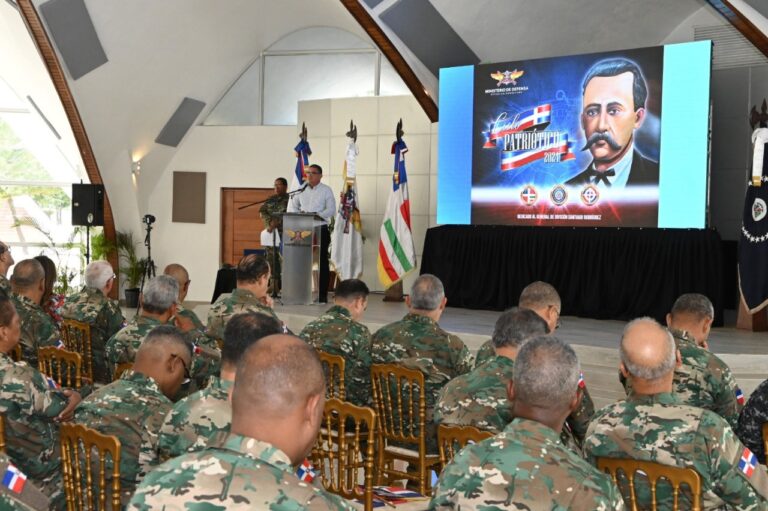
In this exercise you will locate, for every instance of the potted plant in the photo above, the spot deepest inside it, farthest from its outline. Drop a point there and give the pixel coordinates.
(131, 267)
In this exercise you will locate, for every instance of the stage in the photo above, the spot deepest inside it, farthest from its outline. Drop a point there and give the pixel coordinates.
(595, 341)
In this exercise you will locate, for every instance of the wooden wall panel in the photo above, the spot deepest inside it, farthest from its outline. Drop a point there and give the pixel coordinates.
(240, 228)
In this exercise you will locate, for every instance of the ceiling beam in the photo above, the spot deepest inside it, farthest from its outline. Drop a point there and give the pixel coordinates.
(741, 23)
(374, 31)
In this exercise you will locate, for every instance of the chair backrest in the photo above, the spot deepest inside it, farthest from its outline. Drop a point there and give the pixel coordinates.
(401, 408)
(333, 367)
(654, 471)
(765, 437)
(83, 452)
(451, 439)
(77, 337)
(121, 368)
(344, 452)
(62, 365)
(2, 433)
(16, 354)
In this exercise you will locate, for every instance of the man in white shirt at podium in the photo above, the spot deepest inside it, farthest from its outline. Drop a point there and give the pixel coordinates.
(315, 197)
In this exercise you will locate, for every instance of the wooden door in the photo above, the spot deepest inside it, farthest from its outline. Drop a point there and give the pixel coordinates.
(240, 228)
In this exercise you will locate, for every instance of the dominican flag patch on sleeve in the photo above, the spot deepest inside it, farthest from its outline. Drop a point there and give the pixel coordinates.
(51, 383)
(581, 380)
(748, 462)
(739, 396)
(60, 344)
(14, 479)
(306, 472)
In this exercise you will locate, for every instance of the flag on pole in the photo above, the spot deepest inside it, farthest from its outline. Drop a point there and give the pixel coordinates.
(347, 239)
(753, 244)
(302, 151)
(397, 256)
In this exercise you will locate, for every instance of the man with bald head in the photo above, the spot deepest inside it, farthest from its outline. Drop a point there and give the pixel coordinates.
(181, 275)
(273, 430)
(37, 327)
(92, 305)
(652, 425)
(6, 261)
(133, 407)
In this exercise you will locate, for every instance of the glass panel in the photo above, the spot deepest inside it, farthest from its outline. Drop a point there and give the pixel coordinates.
(290, 79)
(391, 83)
(319, 38)
(241, 104)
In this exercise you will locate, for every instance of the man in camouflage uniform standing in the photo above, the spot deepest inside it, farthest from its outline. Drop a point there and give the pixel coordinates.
(197, 418)
(703, 379)
(652, 425)
(272, 432)
(541, 298)
(418, 342)
(133, 407)
(270, 214)
(339, 332)
(159, 308)
(37, 327)
(526, 466)
(252, 275)
(32, 410)
(92, 305)
(6, 261)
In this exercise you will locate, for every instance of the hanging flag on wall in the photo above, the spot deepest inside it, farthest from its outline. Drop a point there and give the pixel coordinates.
(347, 238)
(753, 243)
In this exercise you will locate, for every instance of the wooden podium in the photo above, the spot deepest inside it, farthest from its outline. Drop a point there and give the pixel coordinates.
(757, 322)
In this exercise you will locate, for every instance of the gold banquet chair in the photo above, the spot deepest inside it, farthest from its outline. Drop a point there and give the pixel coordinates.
(2, 433)
(77, 337)
(61, 365)
(765, 438)
(83, 452)
(653, 471)
(451, 439)
(121, 368)
(401, 408)
(344, 452)
(333, 367)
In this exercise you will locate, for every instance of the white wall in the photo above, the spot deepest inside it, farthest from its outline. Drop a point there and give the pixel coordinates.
(376, 119)
(231, 156)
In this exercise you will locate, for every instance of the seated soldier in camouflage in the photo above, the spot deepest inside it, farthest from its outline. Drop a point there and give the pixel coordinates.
(249, 295)
(197, 418)
(272, 431)
(541, 298)
(23, 495)
(133, 407)
(417, 341)
(526, 466)
(751, 420)
(702, 379)
(181, 275)
(653, 425)
(92, 305)
(37, 327)
(6, 261)
(158, 307)
(32, 409)
(339, 332)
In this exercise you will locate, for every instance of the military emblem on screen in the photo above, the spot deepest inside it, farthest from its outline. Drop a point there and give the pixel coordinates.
(528, 196)
(507, 77)
(759, 210)
(590, 195)
(558, 195)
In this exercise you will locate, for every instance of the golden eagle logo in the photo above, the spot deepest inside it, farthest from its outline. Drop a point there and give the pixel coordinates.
(297, 236)
(507, 77)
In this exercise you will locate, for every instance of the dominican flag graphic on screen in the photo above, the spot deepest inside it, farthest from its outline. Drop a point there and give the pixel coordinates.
(753, 244)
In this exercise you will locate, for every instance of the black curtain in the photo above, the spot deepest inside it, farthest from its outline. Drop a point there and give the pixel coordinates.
(600, 273)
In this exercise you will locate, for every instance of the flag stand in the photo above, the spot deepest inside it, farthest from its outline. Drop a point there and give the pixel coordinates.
(757, 322)
(394, 293)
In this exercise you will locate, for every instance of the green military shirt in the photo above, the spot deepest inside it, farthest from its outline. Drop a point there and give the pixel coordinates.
(524, 467)
(703, 380)
(479, 399)
(30, 407)
(90, 306)
(233, 473)
(37, 328)
(335, 332)
(132, 409)
(190, 315)
(196, 419)
(227, 305)
(5, 285)
(28, 498)
(274, 205)
(486, 352)
(658, 428)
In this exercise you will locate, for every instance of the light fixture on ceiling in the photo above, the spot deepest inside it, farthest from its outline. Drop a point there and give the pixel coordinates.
(136, 168)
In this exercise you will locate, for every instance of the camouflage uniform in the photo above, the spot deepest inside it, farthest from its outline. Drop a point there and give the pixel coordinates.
(751, 420)
(335, 332)
(37, 328)
(479, 399)
(5, 285)
(658, 428)
(132, 409)
(233, 473)
(30, 498)
(190, 315)
(274, 205)
(486, 352)
(32, 436)
(703, 380)
(194, 420)
(524, 467)
(122, 347)
(227, 305)
(105, 317)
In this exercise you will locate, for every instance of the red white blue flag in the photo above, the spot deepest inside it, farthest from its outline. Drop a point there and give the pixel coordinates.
(306, 472)
(14, 479)
(748, 462)
(739, 396)
(302, 151)
(51, 383)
